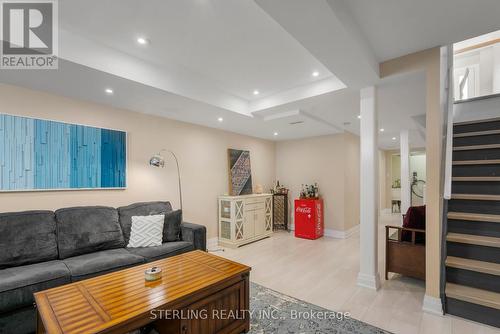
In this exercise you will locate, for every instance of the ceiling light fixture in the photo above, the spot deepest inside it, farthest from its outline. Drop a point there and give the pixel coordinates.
(220, 119)
(108, 91)
(315, 74)
(256, 92)
(382, 130)
(393, 138)
(359, 116)
(142, 40)
(275, 134)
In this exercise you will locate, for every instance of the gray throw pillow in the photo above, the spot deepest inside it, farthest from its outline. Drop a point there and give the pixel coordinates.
(146, 231)
(172, 226)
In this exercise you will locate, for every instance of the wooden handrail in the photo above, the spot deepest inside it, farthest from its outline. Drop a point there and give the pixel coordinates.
(478, 46)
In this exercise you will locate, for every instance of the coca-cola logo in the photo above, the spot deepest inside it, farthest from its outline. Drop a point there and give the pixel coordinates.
(303, 209)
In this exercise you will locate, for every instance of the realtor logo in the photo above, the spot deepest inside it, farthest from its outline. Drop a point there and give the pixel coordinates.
(29, 34)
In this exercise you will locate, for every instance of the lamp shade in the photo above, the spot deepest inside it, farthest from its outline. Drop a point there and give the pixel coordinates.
(157, 161)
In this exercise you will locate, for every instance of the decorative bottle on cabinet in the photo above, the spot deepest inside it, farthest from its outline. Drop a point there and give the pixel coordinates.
(309, 223)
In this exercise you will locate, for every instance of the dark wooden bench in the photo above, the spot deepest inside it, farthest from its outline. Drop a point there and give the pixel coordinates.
(404, 257)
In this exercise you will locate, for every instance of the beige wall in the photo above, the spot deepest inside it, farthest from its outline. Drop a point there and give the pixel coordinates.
(428, 61)
(331, 161)
(382, 180)
(352, 180)
(202, 154)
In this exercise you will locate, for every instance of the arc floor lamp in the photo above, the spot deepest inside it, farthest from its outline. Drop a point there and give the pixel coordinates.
(158, 160)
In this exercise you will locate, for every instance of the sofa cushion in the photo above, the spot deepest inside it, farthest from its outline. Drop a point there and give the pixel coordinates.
(88, 229)
(27, 237)
(18, 284)
(93, 264)
(172, 226)
(140, 209)
(165, 250)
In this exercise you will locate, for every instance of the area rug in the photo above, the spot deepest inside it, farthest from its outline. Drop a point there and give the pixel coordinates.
(274, 312)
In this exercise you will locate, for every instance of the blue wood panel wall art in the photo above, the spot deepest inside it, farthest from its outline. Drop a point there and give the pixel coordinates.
(37, 154)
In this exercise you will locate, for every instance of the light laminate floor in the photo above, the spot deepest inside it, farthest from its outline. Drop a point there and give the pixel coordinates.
(324, 271)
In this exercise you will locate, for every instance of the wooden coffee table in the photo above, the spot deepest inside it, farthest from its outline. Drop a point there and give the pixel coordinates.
(198, 293)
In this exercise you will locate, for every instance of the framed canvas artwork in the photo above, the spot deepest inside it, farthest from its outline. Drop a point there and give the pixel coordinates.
(38, 154)
(240, 173)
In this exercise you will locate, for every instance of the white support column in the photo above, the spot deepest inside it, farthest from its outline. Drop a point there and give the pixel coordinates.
(368, 263)
(405, 171)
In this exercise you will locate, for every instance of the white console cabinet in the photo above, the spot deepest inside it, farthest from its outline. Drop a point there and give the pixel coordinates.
(244, 219)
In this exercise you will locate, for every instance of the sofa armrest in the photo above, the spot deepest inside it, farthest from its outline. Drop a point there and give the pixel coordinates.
(197, 234)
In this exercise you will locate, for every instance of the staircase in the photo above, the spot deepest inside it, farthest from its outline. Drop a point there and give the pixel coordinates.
(472, 265)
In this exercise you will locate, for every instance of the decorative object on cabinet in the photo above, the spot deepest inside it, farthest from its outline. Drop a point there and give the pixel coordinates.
(37, 154)
(280, 211)
(240, 173)
(279, 189)
(244, 219)
(309, 191)
(158, 160)
(309, 222)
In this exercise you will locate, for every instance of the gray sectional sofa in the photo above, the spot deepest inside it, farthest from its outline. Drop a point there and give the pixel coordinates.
(45, 249)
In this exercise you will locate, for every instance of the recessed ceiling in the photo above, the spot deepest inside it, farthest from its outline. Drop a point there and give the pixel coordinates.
(234, 44)
(397, 28)
(204, 59)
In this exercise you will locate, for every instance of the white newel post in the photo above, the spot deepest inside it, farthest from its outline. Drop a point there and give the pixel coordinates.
(368, 264)
(405, 171)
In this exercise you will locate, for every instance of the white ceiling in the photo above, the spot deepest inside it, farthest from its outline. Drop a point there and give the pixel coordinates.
(206, 57)
(234, 44)
(394, 28)
(131, 95)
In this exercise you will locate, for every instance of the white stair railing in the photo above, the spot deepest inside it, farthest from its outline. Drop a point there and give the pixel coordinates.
(448, 113)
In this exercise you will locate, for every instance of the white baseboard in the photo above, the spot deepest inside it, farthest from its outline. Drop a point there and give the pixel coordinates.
(341, 234)
(213, 243)
(332, 233)
(432, 305)
(369, 281)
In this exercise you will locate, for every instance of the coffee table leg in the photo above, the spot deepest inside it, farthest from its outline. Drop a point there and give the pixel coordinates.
(40, 329)
(247, 302)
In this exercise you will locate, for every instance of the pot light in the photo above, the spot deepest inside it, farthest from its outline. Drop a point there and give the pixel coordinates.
(382, 130)
(393, 138)
(359, 116)
(220, 119)
(315, 74)
(142, 40)
(275, 134)
(256, 92)
(108, 91)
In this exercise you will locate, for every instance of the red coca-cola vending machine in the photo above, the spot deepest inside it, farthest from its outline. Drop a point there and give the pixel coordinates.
(309, 222)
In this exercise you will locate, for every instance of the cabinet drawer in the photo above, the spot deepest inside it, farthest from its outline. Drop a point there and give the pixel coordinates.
(254, 206)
